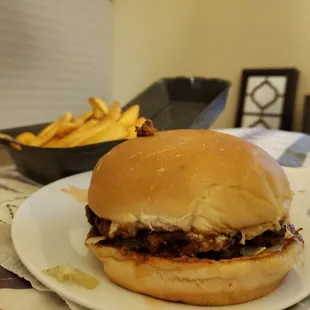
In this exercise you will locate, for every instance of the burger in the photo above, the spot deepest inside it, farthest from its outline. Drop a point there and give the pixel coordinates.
(192, 216)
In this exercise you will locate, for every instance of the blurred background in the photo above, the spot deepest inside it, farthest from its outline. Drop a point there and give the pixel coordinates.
(209, 38)
(55, 54)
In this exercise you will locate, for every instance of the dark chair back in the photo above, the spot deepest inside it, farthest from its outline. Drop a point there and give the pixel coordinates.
(306, 115)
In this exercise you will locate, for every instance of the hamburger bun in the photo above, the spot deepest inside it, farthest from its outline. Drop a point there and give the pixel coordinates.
(200, 282)
(191, 180)
(200, 182)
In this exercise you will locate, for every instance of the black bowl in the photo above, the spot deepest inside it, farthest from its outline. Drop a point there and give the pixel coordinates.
(172, 103)
(45, 165)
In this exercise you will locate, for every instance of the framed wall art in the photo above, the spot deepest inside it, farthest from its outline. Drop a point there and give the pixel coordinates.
(267, 98)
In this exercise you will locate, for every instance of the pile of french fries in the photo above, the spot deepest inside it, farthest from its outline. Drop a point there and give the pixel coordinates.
(100, 124)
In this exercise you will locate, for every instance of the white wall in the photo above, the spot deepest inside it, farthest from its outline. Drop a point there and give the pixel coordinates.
(54, 54)
(156, 38)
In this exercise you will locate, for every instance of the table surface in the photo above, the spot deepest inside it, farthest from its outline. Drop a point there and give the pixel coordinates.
(288, 148)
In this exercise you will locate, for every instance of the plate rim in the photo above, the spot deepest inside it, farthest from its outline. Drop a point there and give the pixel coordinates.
(53, 287)
(59, 290)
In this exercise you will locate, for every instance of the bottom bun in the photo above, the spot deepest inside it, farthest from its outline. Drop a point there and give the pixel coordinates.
(200, 282)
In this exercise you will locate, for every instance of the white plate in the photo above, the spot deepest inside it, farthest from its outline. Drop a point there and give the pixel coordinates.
(49, 229)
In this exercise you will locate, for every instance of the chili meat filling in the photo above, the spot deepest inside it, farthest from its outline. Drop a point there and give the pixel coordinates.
(178, 243)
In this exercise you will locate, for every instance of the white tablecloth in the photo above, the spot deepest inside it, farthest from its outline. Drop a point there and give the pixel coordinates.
(291, 149)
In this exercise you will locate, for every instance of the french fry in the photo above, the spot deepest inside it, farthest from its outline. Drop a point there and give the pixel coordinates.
(102, 123)
(132, 132)
(66, 128)
(13, 145)
(53, 143)
(6, 137)
(116, 131)
(114, 112)
(25, 137)
(47, 129)
(69, 139)
(67, 117)
(80, 120)
(44, 139)
(85, 116)
(130, 116)
(51, 127)
(140, 121)
(83, 137)
(99, 107)
(49, 132)
(87, 125)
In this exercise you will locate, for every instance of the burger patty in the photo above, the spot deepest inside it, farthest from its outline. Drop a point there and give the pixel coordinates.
(179, 243)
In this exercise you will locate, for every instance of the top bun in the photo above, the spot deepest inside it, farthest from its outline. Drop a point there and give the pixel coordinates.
(193, 180)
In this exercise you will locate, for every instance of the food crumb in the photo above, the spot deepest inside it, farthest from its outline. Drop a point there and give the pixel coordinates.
(81, 195)
(72, 275)
(147, 129)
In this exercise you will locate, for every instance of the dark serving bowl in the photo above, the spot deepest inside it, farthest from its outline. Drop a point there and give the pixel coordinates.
(45, 165)
(172, 103)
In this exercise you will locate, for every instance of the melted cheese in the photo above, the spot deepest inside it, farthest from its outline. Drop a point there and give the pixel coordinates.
(94, 240)
(254, 251)
(252, 232)
(113, 228)
(288, 235)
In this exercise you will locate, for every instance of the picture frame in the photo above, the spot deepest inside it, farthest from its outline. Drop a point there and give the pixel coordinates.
(267, 98)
